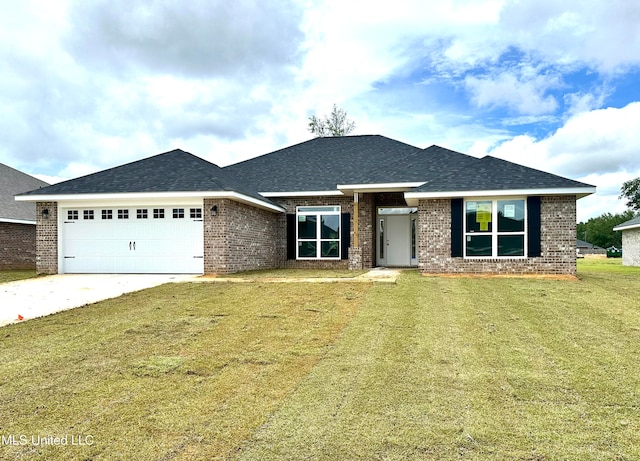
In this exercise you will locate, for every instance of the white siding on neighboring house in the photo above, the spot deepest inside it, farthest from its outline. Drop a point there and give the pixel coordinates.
(631, 247)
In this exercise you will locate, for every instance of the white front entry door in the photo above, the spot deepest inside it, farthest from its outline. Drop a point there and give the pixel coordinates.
(396, 237)
(151, 239)
(398, 240)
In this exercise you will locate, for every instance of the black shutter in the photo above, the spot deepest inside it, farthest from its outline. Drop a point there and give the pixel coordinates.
(291, 236)
(345, 235)
(457, 234)
(533, 227)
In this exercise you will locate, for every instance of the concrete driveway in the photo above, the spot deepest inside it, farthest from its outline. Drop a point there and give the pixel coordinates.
(41, 296)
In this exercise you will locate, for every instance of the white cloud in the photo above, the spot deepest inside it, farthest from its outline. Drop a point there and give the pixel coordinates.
(525, 95)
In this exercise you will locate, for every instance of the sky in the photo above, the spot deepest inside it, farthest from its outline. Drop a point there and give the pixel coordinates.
(91, 84)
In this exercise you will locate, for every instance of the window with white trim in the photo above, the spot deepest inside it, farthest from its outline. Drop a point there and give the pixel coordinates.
(495, 228)
(318, 232)
(72, 215)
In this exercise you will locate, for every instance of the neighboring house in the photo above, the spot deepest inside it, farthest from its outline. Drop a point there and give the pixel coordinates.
(585, 248)
(17, 220)
(345, 202)
(630, 241)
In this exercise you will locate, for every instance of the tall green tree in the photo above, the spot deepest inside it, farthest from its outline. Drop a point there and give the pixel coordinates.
(335, 124)
(599, 231)
(630, 190)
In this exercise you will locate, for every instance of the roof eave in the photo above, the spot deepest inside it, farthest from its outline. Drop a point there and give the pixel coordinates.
(624, 228)
(17, 221)
(349, 189)
(413, 197)
(232, 195)
(306, 193)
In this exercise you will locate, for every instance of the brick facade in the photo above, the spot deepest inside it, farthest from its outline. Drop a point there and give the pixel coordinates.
(47, 239)
(631, 247)
(239, 238)
(242, 237)
(558, 241)
(17, 246)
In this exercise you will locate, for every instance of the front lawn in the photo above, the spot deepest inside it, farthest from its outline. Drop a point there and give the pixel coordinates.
(11, 276)
(430, 368)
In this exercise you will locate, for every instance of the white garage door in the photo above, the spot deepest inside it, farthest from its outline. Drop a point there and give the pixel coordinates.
(133, 240)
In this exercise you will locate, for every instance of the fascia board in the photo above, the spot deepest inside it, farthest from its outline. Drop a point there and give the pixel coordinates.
(380, 187)
(17, 221)
(301, 193)
(578, 191)
(152, 196)
(622, 227)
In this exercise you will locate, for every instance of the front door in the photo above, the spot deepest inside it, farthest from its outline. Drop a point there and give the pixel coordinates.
(396, 237)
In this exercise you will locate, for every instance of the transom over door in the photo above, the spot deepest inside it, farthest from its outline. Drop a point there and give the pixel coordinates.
(151, 239)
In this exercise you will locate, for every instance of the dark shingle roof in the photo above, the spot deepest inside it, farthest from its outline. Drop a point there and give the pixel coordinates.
(13, 182)
(491, 173)
(322, 163)
(173, 171)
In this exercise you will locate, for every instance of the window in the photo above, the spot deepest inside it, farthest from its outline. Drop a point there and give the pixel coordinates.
(72, 215)
(178, 213)
(123, 214)
(142, 213)
(107, 214)
(318, 232)
(87, 214)
(195, 213)
(158, 213)
(495, 228)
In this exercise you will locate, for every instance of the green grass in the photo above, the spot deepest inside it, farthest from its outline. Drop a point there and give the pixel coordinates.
(183, 371)
(11, 276)
(430, 368)
(606, 265)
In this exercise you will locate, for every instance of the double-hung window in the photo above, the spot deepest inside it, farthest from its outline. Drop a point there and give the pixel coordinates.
(495, 228)
(318, 232)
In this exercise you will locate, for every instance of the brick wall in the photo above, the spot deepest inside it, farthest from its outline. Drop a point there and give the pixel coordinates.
(631, 247)
(239, 238)
(47, 239)
(558, 241)
(17, 246)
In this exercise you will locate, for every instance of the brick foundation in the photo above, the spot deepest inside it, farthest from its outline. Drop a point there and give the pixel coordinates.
(558, 241)
(17, 246)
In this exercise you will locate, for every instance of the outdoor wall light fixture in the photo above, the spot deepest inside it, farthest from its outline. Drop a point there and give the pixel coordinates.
(45, 213)
(214, 210)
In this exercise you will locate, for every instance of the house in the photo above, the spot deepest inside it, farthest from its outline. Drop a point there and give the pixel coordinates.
(17, 220)
(589, 249)
(345, 202)
(630, 241)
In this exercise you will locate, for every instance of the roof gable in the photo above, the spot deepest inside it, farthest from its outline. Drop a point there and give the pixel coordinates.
(13, 182)
(173, 171)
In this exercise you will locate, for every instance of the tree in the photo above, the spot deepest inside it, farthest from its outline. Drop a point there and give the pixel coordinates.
(336, 124)
(599, 231)
(631, 191)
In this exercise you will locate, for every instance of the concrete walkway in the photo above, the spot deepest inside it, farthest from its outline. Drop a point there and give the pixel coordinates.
(41, 296)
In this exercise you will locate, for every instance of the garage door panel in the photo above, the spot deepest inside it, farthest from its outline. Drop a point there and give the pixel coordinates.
(133, 245)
